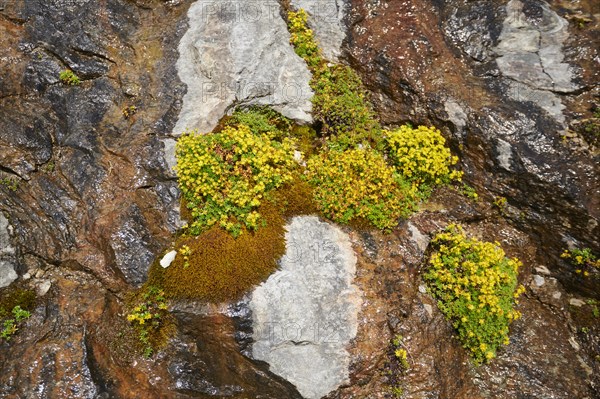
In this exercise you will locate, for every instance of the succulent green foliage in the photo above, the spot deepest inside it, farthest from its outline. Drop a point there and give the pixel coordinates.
(358, 183)
(421, 155)
(583, 260)
(9, 326)
(476, 288)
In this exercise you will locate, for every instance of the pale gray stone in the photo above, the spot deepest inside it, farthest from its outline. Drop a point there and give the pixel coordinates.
(238, 53)
(7, 273)
(326, 18)
(504, 154)
(542, 270)
(421, 240)
(530, 54)
(576, 302)
(305, 314)
(7, 254)
(43, 287)
(428, 309)
(539, 280)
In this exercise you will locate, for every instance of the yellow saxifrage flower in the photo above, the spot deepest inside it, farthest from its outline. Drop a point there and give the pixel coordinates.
(421, 155)
(476, 288)
(224, 176)
(358, 183)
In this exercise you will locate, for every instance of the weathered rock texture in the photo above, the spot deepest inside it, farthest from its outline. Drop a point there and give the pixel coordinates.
(305, 314)
(530, 54)
(396, 303)
(502, 79)
(96, 203)
(238, 53)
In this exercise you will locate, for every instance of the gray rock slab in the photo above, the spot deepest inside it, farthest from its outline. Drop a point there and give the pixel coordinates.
(238, 53)
(305, 314)
(7, 254)
(530, 53)
(7, 273)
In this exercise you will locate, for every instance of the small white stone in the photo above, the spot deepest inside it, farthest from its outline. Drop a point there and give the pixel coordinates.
(419, 238)
(574, 343)
(422, 289)
(557, 295)
(543, 270)
(576, 302)
(428, 309)
(26, 276)
(168, 259)
(538, 280)
(43, 287)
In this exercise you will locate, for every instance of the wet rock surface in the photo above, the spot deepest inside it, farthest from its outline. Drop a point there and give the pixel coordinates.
(396, 302)
(504, 116)
(95, 203)
(95, 200)
(305, 314)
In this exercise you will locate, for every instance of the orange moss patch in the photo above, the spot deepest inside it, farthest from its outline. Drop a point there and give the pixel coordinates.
(222, 267)
(296, 198)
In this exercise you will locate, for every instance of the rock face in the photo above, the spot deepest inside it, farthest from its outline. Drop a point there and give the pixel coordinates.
(502, 80)
(327, 19)
(238, 53)
(305, 314)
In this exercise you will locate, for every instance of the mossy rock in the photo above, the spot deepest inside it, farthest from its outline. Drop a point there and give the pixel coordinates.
(16, 295)
(222, 267)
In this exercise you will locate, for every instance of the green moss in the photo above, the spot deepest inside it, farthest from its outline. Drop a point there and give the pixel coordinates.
(10, 183)
(341, 106)
(296, 198)
(16, 296)
(222, 267)
(476, 288)
(16, 305)
(68, 77)
(306, 137)
(261, 120)
(340, 103)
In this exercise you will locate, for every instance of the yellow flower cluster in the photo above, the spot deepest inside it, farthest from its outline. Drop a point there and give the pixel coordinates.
(148, 310)
(358, 183)
(421, 155)
(186, 252)
(302, 38)
(476, 287)
(583, 259)
(224, 176)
